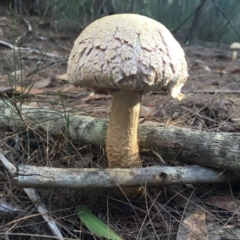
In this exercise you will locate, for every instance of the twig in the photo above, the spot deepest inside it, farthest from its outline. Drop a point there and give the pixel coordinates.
(7, 209)
(31, 50)
(199, 115)
(85, 178)
(28, 24)
(62, 60)
(10, 45)
(33, 195)
(44, 66)
(212, 91)
(224, 15)
(158, 156)
(10, 167)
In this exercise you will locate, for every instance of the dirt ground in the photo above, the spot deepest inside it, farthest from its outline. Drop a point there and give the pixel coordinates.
(37, 74)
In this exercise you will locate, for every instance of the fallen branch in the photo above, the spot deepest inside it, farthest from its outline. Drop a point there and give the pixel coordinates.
(218, 150)
(72, 178)
(31, 50)
(6, 209)
(46, 65)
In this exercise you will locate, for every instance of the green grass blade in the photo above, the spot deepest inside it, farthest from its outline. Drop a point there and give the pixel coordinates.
(94, 224)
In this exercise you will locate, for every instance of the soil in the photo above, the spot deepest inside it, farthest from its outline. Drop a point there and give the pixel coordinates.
(37, 75)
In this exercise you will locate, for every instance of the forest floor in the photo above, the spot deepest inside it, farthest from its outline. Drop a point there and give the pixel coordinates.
(37, 74)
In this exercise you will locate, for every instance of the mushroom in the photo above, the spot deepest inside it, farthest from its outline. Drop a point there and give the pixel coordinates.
(127, 55)
(234, 46)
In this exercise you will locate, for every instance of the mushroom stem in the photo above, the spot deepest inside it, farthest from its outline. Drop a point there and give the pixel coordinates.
(122, 133)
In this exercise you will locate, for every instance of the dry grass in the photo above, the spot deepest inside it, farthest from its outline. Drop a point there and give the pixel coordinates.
(156, 215)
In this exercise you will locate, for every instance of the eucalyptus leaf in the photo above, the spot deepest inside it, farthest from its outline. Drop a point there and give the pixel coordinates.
(95, 225)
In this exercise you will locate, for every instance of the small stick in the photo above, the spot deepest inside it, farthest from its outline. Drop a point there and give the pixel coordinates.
(8, 210)
(158, 156)
(32, 50)
(28, 24)
(212, 91)
(85, 178)
(44, 66)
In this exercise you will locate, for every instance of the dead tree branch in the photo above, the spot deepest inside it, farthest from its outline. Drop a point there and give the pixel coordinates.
(72, 178)
(218, 150)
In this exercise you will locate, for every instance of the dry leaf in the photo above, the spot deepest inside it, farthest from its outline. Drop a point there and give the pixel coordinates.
(193, 227)
(65, 89)
(147, 111)
(234, 71)
(5, 89)
(84, 161)
(175, 115)
(222, 70)
(3, 21)
(94, 96)
(63, 77)
(41, 83)
(55, 53)
(17, 73)
(6, 92)
(28, 90)
(207, 68)
(215, 83)
(33, 104)
(198, 62)
(218, 232)
(231, 205)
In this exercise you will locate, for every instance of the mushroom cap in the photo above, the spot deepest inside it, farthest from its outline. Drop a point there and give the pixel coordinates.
(235, 46)
(129, 52)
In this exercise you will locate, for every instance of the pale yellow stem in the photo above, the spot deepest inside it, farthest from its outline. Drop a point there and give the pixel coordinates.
(122, 133)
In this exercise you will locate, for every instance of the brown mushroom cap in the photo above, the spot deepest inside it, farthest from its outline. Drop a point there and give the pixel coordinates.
(129, 52)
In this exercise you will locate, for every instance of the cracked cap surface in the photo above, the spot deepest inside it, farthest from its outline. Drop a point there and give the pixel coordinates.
(130, 52)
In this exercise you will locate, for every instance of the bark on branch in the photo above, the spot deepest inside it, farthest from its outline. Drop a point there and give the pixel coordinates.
(72, 178)
(218, 150)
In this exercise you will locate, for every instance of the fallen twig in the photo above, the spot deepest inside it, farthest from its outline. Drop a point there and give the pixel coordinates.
(28, 24)
(33, 195)
(49, 177)
(31, 50)
(44, 66)
(8, 210)
(212, 91)
(8, 165)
